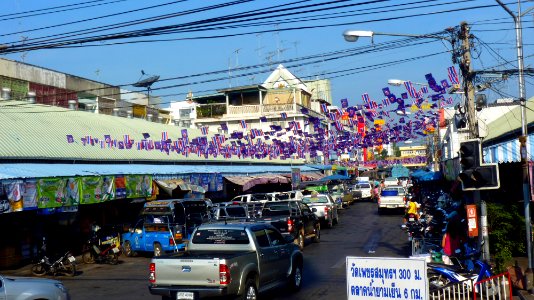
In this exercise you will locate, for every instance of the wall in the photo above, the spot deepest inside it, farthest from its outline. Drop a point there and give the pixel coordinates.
(92, 87)
(31, 73)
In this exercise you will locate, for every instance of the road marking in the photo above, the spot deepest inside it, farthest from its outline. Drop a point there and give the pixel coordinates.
(339, 264)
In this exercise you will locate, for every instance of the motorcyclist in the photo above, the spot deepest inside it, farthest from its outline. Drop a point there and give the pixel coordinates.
(411, 209)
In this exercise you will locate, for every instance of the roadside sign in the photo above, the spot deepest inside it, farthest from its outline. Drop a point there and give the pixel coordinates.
(386, 278)
(295, 178)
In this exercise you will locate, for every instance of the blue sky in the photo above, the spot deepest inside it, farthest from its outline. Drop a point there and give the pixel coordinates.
(188, 54)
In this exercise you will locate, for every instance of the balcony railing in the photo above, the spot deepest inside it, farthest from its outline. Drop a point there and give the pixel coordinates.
(211, 110)
(243, 109)
(286, 107)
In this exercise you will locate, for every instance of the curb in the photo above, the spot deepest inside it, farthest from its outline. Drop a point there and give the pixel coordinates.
(525, 295)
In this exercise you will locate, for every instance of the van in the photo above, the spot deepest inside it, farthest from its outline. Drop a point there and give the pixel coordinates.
(165, 226)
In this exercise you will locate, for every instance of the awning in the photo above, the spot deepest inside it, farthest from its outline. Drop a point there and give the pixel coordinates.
(247, 182)
(320, 167)
(508, 151)
(170, 185)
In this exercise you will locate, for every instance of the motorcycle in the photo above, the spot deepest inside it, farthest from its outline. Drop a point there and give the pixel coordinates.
(97, 250)
(464, 273)
(63, 265)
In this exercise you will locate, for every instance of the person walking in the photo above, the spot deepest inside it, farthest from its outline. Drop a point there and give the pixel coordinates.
(451, 240)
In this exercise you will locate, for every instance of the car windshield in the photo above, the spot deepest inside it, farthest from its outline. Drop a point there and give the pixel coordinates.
(365, 186)
(237, 212)
(275, 209)
(318, 199)
(220, 236)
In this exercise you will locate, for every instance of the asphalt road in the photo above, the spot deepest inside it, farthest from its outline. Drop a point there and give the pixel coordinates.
(360, 232)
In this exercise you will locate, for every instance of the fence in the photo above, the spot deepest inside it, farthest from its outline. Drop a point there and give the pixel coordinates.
(493, 288)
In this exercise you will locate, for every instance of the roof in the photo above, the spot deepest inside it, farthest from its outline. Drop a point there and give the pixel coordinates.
(509, 122)
(39, 132)
(34, 170)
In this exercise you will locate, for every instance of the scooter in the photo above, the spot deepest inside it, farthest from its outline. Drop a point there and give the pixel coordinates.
(63, 265)
(97, 251)
(466, 274)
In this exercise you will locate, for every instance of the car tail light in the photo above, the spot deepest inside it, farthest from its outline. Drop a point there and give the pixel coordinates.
(224, 274)
(289, 225)
(171, 241)
(152, 274)
(326, 209)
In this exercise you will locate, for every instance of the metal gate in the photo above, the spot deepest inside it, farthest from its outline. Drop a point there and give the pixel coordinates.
(493, 288)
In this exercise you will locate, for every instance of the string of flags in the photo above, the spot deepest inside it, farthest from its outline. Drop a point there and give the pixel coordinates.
(345, 130)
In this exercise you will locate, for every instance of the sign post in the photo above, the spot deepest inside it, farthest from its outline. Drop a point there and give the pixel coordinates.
(472, 228)
(386, 278)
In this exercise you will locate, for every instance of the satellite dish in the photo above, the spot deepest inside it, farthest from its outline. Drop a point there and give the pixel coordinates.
(147, 82)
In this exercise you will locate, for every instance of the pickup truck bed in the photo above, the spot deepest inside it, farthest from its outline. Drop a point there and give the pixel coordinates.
(227, 260)
(392, 197)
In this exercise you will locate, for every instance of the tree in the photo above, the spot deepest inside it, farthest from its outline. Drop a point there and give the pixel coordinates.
(396, 150)
(383, 154)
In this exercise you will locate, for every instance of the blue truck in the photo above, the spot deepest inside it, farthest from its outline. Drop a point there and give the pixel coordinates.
(165, 226)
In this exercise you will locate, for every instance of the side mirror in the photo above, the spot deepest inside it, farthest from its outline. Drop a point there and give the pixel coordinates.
(314, 209)
(289, 238)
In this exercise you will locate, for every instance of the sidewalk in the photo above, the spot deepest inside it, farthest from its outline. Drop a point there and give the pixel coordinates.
(523, 263)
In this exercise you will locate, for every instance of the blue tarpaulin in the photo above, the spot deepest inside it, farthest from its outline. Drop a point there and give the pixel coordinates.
(421, 175)
(399, 171)
(335, 177)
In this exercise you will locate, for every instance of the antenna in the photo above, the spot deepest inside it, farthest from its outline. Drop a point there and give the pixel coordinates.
(146, 83)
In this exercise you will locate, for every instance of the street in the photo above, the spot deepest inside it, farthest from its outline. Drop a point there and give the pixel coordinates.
(361, 232)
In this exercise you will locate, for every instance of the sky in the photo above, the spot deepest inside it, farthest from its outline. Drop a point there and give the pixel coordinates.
(214, 44)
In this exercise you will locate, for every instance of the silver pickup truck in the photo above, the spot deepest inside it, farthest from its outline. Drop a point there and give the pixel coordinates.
(392, 197)
(228, 260)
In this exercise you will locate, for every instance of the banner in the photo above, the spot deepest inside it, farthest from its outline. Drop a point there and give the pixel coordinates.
(120, 187)
(51, 192)
(94, 190)
(29, 195)
(138, 186)
(13, 191)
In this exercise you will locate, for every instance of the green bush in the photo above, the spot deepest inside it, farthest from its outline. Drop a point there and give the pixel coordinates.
(505, 240)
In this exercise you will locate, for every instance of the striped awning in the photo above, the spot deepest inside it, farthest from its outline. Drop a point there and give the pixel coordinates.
(507, 151)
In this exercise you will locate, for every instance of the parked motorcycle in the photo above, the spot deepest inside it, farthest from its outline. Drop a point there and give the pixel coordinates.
(101, 249)
(63, 265)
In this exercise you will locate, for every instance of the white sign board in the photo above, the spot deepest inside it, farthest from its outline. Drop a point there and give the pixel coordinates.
(386, 278)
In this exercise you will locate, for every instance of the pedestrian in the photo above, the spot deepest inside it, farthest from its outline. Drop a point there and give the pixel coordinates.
(452, 239)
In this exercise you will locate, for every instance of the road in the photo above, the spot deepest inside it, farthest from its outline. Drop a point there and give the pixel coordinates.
(361, 232)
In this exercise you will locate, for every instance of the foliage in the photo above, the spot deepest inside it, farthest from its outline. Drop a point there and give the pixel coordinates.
(506, 241)
(383, 154)
(396, 150)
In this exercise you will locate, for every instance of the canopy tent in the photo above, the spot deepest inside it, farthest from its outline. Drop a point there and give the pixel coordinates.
(247, 182)
(171, 185)
(421, 175)
(334, 177)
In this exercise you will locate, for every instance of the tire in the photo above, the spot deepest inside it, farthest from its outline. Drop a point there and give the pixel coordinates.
(251, 291)
(330, 223)
(113, 259)
(317, 237)
(69, 268)
(127, 247)
(38, 269)
(158, 250)
(88, 257)
(295, 279)
(299, 241)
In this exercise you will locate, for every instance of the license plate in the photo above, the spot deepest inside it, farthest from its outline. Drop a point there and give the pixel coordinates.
(185, 295)
(71, 259)
(115, 250)
(391, 206)
(411, 219)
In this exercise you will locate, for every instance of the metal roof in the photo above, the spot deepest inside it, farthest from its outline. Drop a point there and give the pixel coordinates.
(509, 121)
(34, 170)
(39, 132)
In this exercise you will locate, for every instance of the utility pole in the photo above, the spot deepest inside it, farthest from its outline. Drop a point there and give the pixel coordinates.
(466, 67)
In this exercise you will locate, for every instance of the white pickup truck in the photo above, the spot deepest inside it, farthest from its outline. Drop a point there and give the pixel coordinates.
(228, 260)
(392, 197)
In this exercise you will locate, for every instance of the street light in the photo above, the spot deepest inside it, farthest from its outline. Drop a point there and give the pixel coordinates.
(353, 35)
(399, 82)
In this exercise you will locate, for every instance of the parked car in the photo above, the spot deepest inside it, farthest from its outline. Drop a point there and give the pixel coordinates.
(29, 288)
(228, 260)
(365, 189)
(292, 218)
(326, 209)
(230, 211)
(258, 197)
(392, 197)
(291, 195)
(165, 225)
(391, 181)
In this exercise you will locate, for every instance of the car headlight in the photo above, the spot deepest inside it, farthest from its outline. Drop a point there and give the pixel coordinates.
(61, 287)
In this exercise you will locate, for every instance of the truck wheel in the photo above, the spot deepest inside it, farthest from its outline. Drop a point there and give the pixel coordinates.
(300, 240)
(295, 279)
(127, 247)
(251, 292)
(158, 251)
(87, 257)
(317, 237)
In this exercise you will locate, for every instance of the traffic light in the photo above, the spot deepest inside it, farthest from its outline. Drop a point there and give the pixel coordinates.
(474, 174)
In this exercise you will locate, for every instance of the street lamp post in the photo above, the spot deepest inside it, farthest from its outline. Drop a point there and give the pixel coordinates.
(524, 133)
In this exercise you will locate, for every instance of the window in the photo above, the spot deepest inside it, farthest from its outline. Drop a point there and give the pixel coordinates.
(221, 236)
(185, 113)
(261, 237)
(275, 237)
